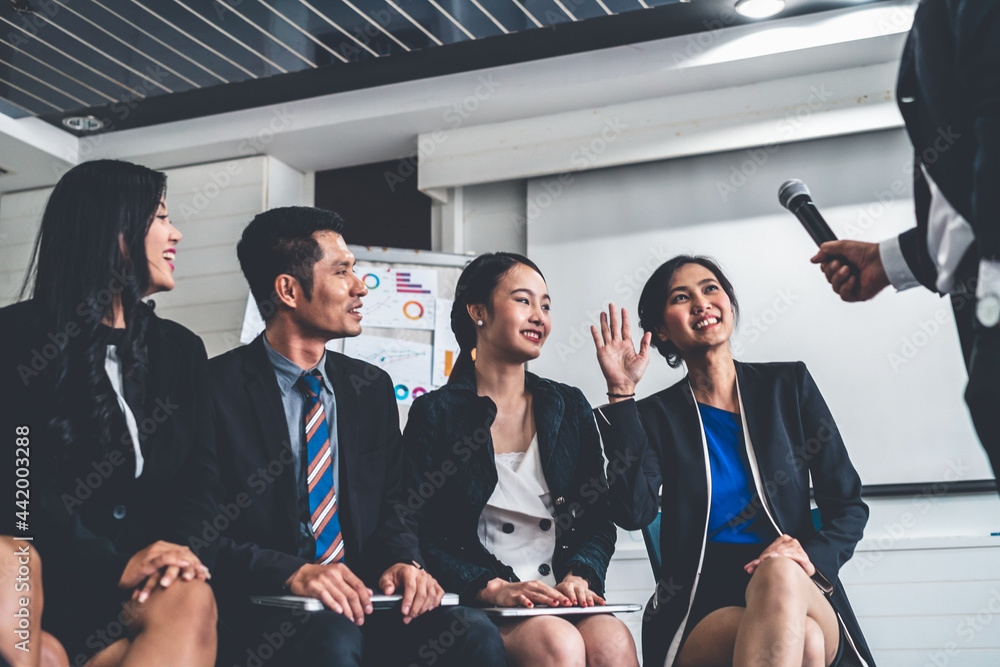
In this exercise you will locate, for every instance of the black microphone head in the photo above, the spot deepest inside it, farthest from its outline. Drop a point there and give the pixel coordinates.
(791, 189)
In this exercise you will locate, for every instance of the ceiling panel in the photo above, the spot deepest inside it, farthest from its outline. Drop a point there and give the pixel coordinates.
(131, 63)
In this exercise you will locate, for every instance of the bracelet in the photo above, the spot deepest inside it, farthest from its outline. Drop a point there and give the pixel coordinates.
(610, 395)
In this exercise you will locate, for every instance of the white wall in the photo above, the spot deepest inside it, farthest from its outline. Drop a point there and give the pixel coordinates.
(494, 217)
(924, 579)
(607, 230)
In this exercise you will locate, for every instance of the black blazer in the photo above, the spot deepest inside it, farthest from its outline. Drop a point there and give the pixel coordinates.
(260, 535)
(949, 95)
(658, 441)
(88, 514)
(450, 448)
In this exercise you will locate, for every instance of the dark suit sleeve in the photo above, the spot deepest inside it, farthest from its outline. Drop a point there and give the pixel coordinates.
(397, 533)
(836, 483)
(455, 574)
(913, 242)
(242, 568)
(976, 25)
(597, 543)
(60, 537)
(198, 486)
(633, 467)
(249, 569)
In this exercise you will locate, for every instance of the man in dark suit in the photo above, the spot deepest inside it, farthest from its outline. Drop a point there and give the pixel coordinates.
(949, 95)
(309, 449)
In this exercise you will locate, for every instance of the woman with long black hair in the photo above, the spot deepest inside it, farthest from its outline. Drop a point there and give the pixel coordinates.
(107, 398)
(727, 455)
(518, 513)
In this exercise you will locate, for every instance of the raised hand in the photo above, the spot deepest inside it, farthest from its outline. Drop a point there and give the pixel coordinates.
(787, 546)
(622, 366)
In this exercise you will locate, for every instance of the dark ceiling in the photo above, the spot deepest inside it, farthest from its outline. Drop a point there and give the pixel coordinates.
(134, 63)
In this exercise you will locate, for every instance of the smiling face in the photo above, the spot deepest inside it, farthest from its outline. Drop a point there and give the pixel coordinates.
(517, 323)
(698, 315)
(161, 251)
(333, 309)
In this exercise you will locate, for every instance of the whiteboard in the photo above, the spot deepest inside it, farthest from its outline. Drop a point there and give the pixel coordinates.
(891, 369)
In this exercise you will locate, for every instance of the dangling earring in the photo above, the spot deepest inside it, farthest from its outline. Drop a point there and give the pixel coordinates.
(473, 354)
(479, 323)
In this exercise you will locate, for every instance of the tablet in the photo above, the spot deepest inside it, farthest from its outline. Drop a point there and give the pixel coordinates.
(312, 604)
(524, 612)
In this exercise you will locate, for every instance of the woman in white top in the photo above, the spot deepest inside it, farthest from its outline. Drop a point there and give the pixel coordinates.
(507, 476)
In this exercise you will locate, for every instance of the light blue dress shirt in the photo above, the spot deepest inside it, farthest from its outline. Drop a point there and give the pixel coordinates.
(293, 400)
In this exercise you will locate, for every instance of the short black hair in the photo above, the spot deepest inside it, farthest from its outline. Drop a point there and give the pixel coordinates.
(656, 291)
(281, 241)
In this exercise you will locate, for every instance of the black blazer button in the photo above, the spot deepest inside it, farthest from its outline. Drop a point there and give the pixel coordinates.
(545, 524)
(508, 528)
(119, 512)
(560, 500)
(544, 569)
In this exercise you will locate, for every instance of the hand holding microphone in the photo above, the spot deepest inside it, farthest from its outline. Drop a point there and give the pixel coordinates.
(853, 268)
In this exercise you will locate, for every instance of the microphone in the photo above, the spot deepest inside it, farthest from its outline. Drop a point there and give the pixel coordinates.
(794, 195)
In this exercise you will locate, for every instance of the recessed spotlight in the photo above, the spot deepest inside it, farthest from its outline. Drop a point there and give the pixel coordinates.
(759, 9)
(83, 123)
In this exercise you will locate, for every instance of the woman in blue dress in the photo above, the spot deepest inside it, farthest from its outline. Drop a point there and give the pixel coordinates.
(727, 454)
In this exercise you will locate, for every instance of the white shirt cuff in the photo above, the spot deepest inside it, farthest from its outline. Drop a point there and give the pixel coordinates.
(989, 278)
(896, 268)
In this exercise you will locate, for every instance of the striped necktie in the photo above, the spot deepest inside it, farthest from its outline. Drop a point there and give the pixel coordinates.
(322, 496)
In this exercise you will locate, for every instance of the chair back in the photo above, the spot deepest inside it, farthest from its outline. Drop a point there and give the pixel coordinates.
(651, 536)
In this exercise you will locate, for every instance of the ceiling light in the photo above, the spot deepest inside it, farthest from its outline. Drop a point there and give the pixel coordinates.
(759, 9)
(83, 123)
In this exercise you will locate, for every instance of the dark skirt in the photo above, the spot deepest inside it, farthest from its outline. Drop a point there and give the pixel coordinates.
(85, 620)
(723, 583)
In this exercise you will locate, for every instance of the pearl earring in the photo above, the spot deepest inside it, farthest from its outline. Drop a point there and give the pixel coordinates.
(479, 322)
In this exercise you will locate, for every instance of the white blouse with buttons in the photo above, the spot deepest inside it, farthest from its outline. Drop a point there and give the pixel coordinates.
(516, 525)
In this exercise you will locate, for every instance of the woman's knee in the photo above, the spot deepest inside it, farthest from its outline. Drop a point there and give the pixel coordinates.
(20, 561)
(53, 653)
(608, 642)
(552, 641)
(814, 646)
(189, 603)
(15, 554)
(778, 577)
